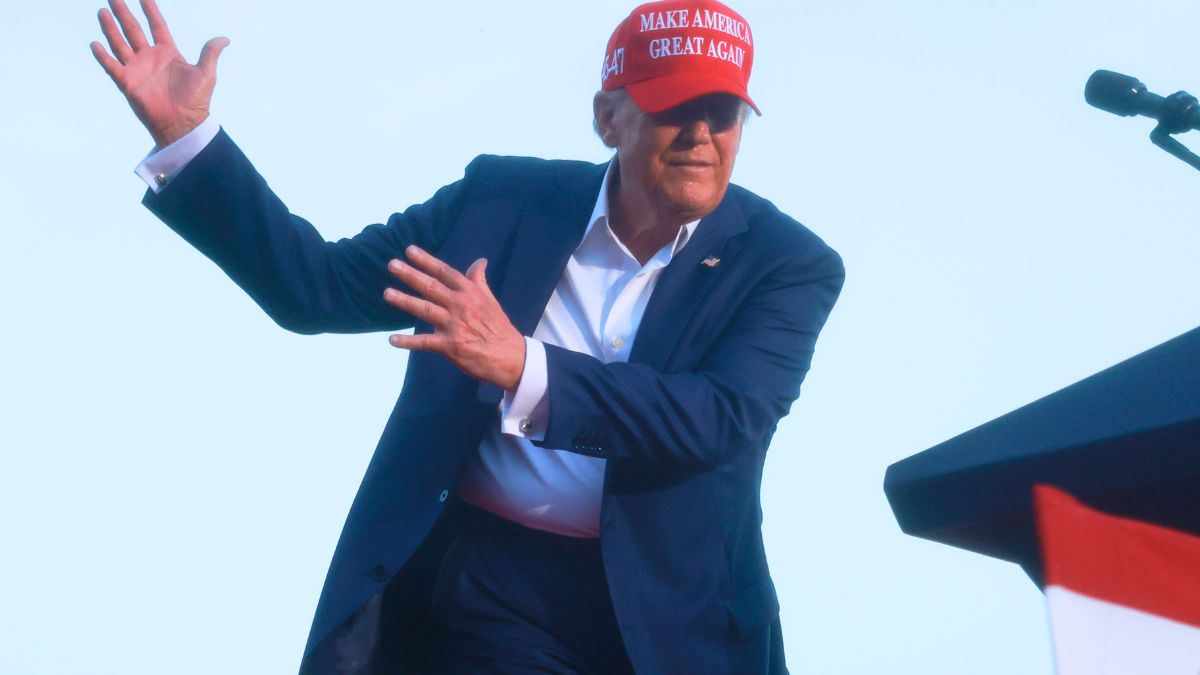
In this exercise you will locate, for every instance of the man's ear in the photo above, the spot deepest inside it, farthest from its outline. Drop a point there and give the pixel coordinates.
(604, 115)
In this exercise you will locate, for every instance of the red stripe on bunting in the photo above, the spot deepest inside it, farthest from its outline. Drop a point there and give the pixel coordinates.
(1123, 561)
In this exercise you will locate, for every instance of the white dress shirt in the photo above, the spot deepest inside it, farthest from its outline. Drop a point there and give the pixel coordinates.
(595, 309)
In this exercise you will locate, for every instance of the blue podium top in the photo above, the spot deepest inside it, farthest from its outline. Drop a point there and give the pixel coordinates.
(1125, 440)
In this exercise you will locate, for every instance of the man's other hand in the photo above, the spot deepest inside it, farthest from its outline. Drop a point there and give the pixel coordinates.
(169, 95)
(470, 327)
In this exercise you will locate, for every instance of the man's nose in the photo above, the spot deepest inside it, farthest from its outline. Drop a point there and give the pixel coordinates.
(697, 131)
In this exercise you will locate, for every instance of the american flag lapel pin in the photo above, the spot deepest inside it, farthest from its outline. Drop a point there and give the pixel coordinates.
(711, 261)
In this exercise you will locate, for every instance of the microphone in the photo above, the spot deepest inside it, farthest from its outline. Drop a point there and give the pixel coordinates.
(1127, 96)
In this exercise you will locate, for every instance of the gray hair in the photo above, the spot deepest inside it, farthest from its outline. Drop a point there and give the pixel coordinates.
(620, 101)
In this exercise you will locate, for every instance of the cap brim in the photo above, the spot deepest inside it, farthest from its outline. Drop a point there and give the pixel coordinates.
(661, 93)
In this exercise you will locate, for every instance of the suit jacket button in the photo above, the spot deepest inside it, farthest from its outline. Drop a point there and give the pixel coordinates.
(444, 496)
(379, 573)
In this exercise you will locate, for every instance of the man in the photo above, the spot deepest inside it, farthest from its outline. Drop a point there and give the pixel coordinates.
(570, 479)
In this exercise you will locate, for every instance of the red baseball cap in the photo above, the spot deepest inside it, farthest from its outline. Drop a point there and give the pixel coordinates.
(667, 53)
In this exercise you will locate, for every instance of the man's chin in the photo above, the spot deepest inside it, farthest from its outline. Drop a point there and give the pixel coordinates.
(695, 203)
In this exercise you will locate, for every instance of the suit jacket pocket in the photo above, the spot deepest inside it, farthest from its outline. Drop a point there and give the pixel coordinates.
(754, 607)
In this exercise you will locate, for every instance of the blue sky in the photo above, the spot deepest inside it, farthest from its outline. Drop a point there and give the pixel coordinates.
(175, 468)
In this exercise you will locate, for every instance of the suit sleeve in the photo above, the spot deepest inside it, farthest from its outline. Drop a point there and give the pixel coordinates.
(223, 207)
(703, 417)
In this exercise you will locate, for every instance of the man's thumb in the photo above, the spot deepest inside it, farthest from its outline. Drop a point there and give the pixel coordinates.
(212, 49)
(477, 272)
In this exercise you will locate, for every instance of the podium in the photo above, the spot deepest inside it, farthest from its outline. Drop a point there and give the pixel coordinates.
(1125, 440)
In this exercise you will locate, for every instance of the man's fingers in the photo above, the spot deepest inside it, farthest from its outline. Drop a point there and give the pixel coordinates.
(158, 26)
(420, 282)
(108, 63)
(208, 55)
(133, 30)
(116, 42)
(452, 278)
(418, 307)
(425, 342)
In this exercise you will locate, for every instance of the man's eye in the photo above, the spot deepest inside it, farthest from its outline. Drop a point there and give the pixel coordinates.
(720, 115)
(722, 120)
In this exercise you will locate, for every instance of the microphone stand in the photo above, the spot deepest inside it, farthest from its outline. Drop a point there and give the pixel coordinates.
(1173, 119)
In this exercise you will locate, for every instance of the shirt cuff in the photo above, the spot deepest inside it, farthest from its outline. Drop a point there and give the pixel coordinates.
(526, 411)
(163, 164)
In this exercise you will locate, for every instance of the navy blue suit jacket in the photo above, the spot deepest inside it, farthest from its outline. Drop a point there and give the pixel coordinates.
(684, 425)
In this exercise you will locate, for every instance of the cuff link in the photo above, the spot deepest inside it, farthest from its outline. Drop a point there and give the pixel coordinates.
(525, 426)
(161, 179)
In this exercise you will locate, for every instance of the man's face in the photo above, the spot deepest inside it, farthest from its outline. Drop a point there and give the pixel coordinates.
(679, 160)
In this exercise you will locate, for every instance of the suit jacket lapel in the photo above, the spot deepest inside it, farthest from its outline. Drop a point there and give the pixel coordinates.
(685, 283)
(547, 232)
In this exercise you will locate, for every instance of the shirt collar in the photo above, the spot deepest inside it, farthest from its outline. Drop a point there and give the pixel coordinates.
(599, 221)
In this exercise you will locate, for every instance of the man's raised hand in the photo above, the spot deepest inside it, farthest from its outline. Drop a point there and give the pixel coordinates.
(169, 95)
(470, 327)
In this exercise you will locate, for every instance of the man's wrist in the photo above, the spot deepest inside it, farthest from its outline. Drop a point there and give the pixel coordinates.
(515, 380)
(162, 164)
(169, 134)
